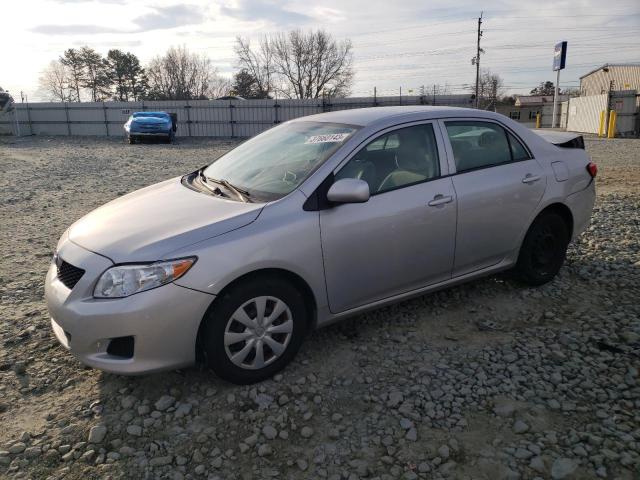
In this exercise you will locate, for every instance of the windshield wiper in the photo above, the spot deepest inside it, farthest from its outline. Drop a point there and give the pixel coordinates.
(240, 193)
(215, 190)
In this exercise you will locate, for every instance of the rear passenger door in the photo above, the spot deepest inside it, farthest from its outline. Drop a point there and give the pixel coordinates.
(498, 185)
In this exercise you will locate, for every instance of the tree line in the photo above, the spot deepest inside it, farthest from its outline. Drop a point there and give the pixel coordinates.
(83, 74)
(296, 64)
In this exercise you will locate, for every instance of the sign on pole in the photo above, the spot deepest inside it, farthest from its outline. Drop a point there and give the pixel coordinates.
(560, 56)
(559, 62)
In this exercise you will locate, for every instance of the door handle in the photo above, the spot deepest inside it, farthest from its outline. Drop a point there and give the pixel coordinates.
(530, 178)
(440, 200)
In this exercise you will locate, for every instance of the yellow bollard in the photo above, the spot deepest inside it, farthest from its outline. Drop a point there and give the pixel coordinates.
(601, 128)
(611, 132)
(538, 120)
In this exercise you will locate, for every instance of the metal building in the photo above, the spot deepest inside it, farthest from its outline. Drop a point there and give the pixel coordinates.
(611, 77)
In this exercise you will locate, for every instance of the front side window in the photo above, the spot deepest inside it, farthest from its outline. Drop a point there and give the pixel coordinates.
(396, 159)
(274, 163)
(478, 144)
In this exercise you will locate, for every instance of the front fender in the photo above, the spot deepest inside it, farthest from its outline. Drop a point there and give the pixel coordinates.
(283, 237)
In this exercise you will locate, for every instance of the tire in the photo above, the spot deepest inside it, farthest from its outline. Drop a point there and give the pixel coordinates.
(543, 250)
(131, 140)
(237, 362)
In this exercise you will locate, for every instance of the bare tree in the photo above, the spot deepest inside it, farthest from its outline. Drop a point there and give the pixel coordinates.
(54, 82)
(299, 64)
(490, 90)
(181, 75)
(219, 86)
(258, 63)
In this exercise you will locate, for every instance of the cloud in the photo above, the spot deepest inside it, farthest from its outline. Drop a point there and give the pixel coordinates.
(170, 17)
(161, 18)
(272, 11)
(108, 44)
(119, 2)
(74, 29)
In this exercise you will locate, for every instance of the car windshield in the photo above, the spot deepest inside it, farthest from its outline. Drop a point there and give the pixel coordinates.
(274, 163)
(151, 114)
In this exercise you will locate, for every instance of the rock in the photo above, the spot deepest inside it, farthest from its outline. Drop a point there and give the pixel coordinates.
(306, 432)
(443, 451)
(405, 423)
(16, 448)
(395, 398)
(251, 440)
(135, 430)
(97, 434)
(510, 357)
(269, 432)
(412, 435)
(630, 337)
(504, 407)
(537, 464)
(160, 461)
(519, 426)
(563, 468)
(264, 450)
(88, 456)
(183, 410)
(128, 402)
(164, 402)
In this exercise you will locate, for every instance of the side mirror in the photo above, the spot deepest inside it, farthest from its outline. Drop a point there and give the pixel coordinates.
(349, 190)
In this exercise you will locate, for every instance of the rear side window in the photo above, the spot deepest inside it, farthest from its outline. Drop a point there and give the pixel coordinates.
(482, 144)
(518, 151)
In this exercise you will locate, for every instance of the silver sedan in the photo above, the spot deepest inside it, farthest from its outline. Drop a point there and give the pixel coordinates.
(310, 222)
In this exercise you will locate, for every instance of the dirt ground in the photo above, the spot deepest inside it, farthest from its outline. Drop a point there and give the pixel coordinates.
(489, 380)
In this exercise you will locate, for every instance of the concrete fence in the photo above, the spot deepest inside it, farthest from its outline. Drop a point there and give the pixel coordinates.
(196, 118)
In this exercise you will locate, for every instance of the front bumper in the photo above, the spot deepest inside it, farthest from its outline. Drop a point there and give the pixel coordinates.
(163, 322)
(149, 134)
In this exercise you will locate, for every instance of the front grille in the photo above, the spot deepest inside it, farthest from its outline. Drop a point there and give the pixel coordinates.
(69, 275)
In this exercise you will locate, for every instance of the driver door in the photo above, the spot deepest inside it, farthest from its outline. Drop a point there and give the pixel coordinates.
(403, 237)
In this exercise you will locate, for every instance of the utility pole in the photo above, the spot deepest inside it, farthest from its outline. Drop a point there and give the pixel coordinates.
(476, 60)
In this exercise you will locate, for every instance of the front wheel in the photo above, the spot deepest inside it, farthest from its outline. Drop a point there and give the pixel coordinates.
(254, 330)
(543, 250)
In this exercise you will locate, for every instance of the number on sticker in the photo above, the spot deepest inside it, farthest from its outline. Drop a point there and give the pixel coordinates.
(331, 138)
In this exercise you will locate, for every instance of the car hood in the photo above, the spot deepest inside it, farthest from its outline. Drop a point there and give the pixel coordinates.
(151, 222)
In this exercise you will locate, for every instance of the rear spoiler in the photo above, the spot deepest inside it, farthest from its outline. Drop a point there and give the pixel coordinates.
(562, 139)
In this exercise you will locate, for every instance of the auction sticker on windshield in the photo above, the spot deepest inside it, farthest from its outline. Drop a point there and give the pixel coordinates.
(331, 138)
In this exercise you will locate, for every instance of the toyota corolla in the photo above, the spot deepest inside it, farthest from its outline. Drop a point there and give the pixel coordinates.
(310, 222)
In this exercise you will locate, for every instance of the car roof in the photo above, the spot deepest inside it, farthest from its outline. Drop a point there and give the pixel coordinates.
(375, 115)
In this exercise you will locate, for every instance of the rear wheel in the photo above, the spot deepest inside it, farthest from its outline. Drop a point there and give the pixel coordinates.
(544, 249)
(254, 330)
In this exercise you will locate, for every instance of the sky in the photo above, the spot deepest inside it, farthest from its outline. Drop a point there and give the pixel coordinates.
(402, 44)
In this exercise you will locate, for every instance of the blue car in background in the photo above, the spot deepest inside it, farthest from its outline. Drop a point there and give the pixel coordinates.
(160, 125)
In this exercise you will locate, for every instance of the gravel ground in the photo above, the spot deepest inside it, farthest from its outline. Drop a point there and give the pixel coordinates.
(488, 380)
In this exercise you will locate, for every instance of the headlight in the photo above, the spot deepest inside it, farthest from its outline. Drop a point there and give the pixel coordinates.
(124, 280)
